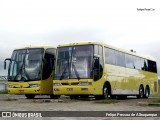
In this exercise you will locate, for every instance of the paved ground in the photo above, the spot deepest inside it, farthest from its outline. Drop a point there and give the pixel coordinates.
(43, 103)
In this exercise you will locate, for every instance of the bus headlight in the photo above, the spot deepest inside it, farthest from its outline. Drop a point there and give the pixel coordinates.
(33, 85)
(85, 83)
(56, 84)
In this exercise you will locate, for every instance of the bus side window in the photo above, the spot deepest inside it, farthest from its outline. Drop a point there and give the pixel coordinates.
(97, 68)
(145, 65)
(98, 62)
(152, 66)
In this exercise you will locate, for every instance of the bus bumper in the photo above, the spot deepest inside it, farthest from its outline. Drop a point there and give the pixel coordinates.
(22, 91)
(73, 90)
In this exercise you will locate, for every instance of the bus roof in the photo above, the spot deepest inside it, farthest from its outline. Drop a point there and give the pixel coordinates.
(108, 46)
(45, 47)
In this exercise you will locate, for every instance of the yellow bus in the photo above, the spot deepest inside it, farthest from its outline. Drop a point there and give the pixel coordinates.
(103, 71)
(31, 71)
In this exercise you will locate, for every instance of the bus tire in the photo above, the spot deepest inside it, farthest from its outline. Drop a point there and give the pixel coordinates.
(114, 96)
(146, 92)
(141, 92)
(30, 96)
(105, 91)
(84, 96)
(98, 97)
(54, 96)
(74, 97)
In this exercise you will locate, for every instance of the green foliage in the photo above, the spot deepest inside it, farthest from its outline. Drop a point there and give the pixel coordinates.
(3, 92)
(154, 103)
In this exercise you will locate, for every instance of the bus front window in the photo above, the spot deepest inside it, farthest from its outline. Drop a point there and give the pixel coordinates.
(25, 65)
(74, 62)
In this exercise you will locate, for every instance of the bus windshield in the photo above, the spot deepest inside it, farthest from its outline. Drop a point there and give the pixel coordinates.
(74, 62)
(26, 65)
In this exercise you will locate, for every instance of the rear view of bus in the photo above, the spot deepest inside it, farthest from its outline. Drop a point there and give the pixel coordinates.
(30, 71)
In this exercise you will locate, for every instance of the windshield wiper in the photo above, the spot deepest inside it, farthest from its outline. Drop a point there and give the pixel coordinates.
(76, 72)
(75, 69)
(65, 68)
(19, 73)
(23, 75)
(62, 76)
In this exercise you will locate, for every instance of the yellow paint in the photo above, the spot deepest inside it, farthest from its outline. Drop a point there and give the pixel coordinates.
(121, 79)
(43, 86)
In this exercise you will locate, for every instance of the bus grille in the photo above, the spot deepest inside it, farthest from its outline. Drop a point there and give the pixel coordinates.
(72, 83)
(65, 83)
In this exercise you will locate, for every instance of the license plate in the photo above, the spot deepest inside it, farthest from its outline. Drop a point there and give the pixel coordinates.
(69, 89)
(21, 90)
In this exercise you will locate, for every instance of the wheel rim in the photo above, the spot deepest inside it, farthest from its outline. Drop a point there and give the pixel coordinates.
(105, 92)
(147, 93)
(141, 92)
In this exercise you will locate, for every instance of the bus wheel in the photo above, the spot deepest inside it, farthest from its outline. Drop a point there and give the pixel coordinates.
(74, 97)
(54, 96)
(105, 92)
(98, 97)
(84, 96)
(30, 96)
(146, 92)
(113, 96)
(141, 92)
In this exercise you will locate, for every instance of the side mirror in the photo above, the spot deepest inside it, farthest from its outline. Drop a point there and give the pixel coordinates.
(5, 62)
(4, 65)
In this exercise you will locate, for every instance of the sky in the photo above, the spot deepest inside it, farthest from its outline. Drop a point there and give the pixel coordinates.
(121, 23)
